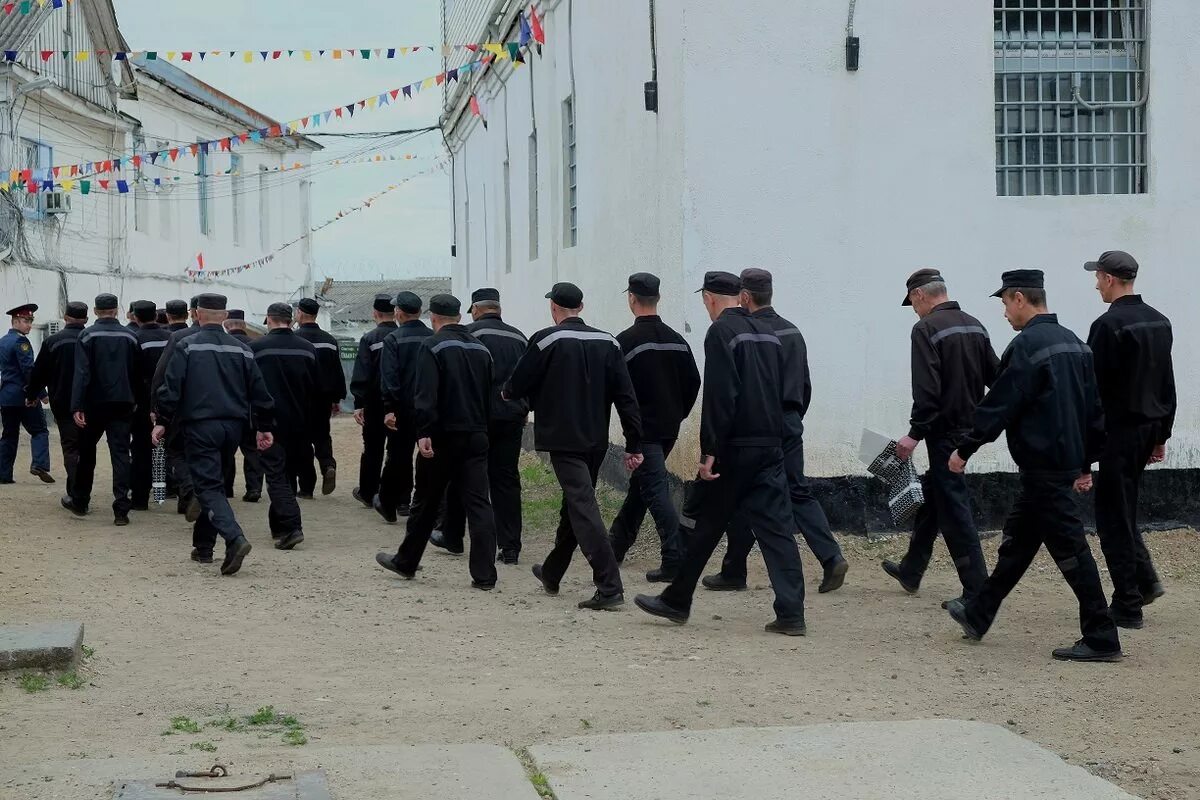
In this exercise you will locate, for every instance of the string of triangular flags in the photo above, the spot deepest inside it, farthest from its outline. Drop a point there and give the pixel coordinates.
(256, 56)
(27, 6)
(200, 273)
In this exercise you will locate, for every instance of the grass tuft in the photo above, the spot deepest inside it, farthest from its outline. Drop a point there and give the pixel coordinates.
(207, 747)
(33, 683)
(71, 680)
(185, 725)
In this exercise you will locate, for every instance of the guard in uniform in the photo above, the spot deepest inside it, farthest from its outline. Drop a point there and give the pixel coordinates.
(333, 390)
(289, 369)
(1131, 345)
(572, 376)
(152, 343)
(1045, 397)
(378, 440)
(953, 363)
(213, 388)
(742, 462)
(666, 381)
(54, 370)
(16, 365)
(178, 313)
(397, 368)
(103, 395)
(252, 466)
(452, 389)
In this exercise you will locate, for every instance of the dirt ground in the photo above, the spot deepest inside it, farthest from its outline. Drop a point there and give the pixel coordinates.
(347, 654)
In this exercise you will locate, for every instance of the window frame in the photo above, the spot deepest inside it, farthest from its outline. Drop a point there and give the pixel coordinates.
(33, 206)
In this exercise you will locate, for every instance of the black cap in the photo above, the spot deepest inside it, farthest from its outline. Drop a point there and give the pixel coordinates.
(144, 310)
(279, 311)
(1021, 279)
(309, 306)
(106, 302)
(383, 304)
(485, 296)
(445, 305)
(176, 308)
(1117, 263)
(757, 280)
(724, 283)
(160, 316)
(566, 295)
(643, 284)
(23, 311)
(77, 310)
(193, 304)
(237, 313)
(408, 302)
(922, 277)
(211, 302)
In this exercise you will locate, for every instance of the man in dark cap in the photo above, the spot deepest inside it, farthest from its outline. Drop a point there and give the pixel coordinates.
(152, 343)
(214, 389)
(160, 317)
(177, 315)
(103, 395)
(666, 381)
(289, 368)
(452, 389)
(1045, 398)
(16, 365)
(332, 390)
(54, 370)
(131, 322)
(953, 363)
(741, 463)
(368, 400)
(1131, 345)
(177, 468)
(252, 466)
(505, 430)
(397, 367)
(572, 376)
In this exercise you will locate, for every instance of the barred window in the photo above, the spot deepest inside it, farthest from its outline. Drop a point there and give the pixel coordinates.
(1070, 97)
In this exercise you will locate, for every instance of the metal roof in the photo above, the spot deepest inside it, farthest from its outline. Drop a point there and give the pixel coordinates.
(17, 29)
(353, 301)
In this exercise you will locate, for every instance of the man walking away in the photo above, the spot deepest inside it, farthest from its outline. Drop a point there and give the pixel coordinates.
(16, 366)
(332, 391)
(572, 375)
(252, 466)
(1131, 344)
(177, 467)
(1045, 398)
(397, 368)
(368, 401)
(152, 344)
(54, 370)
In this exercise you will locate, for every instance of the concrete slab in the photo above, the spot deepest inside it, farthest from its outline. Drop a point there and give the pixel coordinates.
(40, 645)
(926, 760)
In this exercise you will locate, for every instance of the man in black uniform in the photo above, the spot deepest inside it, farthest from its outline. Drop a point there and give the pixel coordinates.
(131, 320)
(1045, 397)
(452, 390)
(332, 390)
(177, 315)
(505, 429)
(54, 370)
(397, 367)
(252, 466)
(177, 468)
(368, 401)
(289, 369)
(742, 461)
(103, 394)
(572, 376)
(953, 363)
(152, 343)
(666, 381)
(213, 388)
(1131, 345)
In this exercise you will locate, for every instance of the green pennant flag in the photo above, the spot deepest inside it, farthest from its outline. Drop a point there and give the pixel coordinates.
(513, 49)
(151, 55)
(25, 6)
(85, 187)
(366, 54)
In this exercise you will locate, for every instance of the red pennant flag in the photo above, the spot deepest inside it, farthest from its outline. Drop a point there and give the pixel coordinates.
(225, 144)
(276, 54)
(338, 112)
(475, 106)
(474, 48)
(8, 7)
(31, 186)
(137, 161)
(195, 148)
(104, 184)
(74, 170)
(27, 175)
(56, 169)
(46, 54)
(187, 56)
(539, 34)
(106, 166)
(243, 137)
(440, 79)
(394, 93)
(275, 131)
(174, 153)
(304, 122)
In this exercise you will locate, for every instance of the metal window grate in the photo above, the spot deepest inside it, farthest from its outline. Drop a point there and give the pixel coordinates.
(571, 206)
(1070, 97)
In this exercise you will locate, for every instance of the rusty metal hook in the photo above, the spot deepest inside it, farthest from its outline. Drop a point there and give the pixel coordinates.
(216, 771)
(272, 778)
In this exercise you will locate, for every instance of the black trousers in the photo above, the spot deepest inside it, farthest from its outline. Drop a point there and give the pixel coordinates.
(395, 485)
(504, 485)
(141, 458)
(113, 423)
(280, 463)
(1046, 513)
(463, 458)
(252, 469)
(1126, 453)
(580, 524)
(650, 491)
(210, 446)
(68, 437)
(322, 450)
(177, 466)
(947, 509)
(752, 488)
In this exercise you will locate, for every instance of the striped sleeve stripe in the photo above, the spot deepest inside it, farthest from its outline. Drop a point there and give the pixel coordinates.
(656, 346)
(587, 336)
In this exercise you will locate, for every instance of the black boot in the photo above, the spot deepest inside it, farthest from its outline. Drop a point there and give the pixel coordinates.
(388, 562)
(719, 583)
(958, 613)
(388, 514)
(656, 607)
(794, 628)
(893, 569)
(835, 576)
(550, 587)
(662, 574)
(603, 602)
(1083, 652)
(289, 541)
(438, 539)
(235, 553)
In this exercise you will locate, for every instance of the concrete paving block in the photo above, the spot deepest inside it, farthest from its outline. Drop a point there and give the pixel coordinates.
(40, 645)
(923, 760)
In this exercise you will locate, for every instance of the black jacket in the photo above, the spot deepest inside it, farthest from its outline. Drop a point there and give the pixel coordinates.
(152, 345)
(54, 369)
(743, 384)
(398, 366)
(664, 375)
(1045, 397)
(507, 345)
(289, 370)
(797, 385)
(1131, 344)
(329, 361)
(107, 368)
(452, 384)
(953, 363)
(241, 335)
(178, 333)
(572, 375)
(364, 382)
(211, 375)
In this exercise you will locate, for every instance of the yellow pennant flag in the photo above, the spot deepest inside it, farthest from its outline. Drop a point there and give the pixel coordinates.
(170, 55)
(427, 83)
(82, 55)
(68, 185)
(337, 55)
(404, 50)
(495, 48)
(14, 175)
(371, 102)
(308, 55)
(248, 57)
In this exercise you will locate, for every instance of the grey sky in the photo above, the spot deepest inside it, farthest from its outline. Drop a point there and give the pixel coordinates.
(407, 232)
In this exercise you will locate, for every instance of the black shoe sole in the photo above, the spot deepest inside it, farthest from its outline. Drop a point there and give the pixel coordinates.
(446, 548)
(835, 579)
(968, 630)
(45, 476)
(785, 631)
(388, 517)
(483, 587)
(894, 574)
(404, 511)
(609, 604)
(357, 495)
(329, 481)
(654, 611)
(1129, 624)
(722, 587)
(385, 561)
(1152, 595)
(233, 562)
(289, 542)
(251, 498)
(193, 511)
(202, 559)
(121, 522)
(1099, 658)
(549, 588)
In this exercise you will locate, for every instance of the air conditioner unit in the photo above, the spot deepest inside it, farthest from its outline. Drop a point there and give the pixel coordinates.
(57, 202)
(53, 327)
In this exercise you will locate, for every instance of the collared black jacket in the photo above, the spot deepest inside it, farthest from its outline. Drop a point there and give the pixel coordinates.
(664, 375)
(953, 363)
(572, 376)
(152, 341)
(179, 332)
(289, 368)
(452, 384)
(1045, 397)
(211, 375)
(54, 369)
(107, 368)
(743, 384)
(398, 366)
(507, 345)
(329, 361)
(797, 385)
(241, 335)
(1131, 344)
(364, 381)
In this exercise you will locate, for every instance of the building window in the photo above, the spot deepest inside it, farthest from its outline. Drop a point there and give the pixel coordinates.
(508, 258)
(533, 197)
(1070, 97)
(206, 220)
(38, 158)
(264, 209)
(235, 192)
(570, 192)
